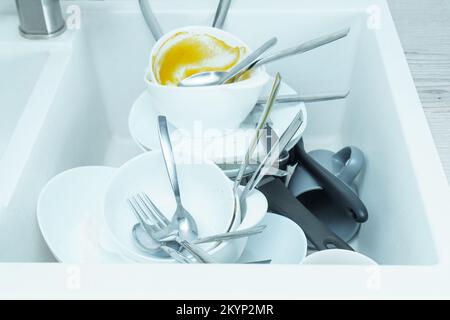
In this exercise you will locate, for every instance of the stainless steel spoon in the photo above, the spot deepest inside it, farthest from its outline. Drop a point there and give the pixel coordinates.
(257, 136)
(220, 77)
(292, 98)
(211, 78)
(182, 220)
(221, 13)
(303, 47)
(150, 19)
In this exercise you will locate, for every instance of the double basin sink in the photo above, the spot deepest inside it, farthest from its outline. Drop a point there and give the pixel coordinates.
(65, 102)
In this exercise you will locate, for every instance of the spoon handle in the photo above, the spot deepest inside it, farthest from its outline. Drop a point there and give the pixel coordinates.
(304, 47)
(232, 235)
(178, 257)
(273, 154)
(221, 13)
(169, 160)
(248, 61)
(289, 98)
(150, 19)
(261, 124)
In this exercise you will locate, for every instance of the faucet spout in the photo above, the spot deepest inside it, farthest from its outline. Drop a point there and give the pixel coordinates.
(40, 19)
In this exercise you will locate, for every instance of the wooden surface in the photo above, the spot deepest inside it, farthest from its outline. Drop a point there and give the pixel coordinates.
(424, 30)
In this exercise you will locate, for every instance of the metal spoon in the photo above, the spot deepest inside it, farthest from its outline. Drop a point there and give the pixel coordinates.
(217, 77)
(261, 124)
(273, 154)
(303, 47)
(150, 19)
(221, 13)
(292, 98)
(211, 78)
(182, 220)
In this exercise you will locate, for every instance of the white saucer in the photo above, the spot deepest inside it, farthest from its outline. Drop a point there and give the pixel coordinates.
(228, 148)
(70, 217)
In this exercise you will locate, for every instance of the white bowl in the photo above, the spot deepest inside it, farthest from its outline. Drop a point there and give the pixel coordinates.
(225, 252)
(70, 217)
(283, 242)
(205, 190)
(221, 107)
(338, 257)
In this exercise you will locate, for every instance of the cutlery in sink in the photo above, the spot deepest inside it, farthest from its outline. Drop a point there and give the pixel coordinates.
(253, 60)
(153, 223)
(152, 220)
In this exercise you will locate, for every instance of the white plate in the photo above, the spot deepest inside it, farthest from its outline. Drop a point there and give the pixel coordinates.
(230, 148)
(70, 216)
(283, 242)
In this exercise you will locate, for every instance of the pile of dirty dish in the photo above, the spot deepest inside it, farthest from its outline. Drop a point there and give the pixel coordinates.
(224, 176)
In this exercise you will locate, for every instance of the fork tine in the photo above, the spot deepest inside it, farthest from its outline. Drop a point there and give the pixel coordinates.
(135, 211)
(154, 209)
(148, 211)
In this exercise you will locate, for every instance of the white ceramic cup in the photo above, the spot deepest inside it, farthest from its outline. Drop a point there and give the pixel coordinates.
(218, 108)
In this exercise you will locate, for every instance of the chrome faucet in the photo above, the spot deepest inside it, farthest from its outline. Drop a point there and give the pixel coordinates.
(40, 19)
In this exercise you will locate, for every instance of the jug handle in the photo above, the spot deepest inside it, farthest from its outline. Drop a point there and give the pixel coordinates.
(353, 161)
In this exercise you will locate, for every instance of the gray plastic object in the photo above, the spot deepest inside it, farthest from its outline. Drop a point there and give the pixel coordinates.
(346, 164)
(281, 201)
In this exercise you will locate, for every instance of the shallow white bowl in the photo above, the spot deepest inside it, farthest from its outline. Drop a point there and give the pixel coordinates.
(205, 190)
(221, 107)
(70, 217)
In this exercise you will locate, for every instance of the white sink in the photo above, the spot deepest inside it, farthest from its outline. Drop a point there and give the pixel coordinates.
(20, 71)
(84, 122)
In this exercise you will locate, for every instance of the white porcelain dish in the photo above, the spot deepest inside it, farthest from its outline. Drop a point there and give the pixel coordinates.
(230, 251)
(205, 191)
(283, 242)
(216, 109)
(70, 216)
(186, 32)
(338, 257)
(231, 148)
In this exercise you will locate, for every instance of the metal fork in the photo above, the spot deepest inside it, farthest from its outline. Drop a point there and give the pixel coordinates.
(153, 221)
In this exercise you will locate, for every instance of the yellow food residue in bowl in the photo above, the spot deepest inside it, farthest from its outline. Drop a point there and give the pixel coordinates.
(184, 54)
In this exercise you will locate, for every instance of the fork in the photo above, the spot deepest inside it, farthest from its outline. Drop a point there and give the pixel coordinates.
(153, 221)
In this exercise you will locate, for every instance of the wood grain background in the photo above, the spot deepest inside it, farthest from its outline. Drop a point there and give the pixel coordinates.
(424, 30)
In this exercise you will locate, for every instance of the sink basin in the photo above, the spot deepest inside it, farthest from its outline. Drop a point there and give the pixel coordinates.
(82, 120)
(20, 71)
